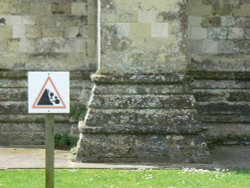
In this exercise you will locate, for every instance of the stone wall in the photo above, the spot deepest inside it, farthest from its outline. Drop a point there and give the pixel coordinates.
(219, 43)
(54, 35)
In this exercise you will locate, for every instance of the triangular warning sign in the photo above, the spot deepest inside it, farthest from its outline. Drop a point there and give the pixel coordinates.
(49, 97)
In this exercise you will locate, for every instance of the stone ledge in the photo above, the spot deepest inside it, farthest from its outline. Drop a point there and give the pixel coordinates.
(142, 101)
(22, 74)
(220, 63)
(140, 79)
(142, 148)
(185, 129)
(155, 117)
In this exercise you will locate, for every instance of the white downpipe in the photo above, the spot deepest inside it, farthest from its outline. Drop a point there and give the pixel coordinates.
(98, 36)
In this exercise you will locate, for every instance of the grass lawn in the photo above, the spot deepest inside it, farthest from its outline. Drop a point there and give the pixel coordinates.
(127, 178)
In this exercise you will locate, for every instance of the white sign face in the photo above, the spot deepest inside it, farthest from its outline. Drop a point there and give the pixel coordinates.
(48, 92)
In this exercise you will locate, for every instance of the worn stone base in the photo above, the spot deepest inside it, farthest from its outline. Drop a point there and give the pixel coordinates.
(142, 118)
(221, 86)
(142, 148)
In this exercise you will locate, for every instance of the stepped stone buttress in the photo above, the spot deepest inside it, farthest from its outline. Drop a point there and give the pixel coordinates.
(141, 109)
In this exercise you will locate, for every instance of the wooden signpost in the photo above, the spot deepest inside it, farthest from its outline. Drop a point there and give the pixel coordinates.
(48, 93)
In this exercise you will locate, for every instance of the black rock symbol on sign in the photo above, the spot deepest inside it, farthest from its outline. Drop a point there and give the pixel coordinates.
(48, 98)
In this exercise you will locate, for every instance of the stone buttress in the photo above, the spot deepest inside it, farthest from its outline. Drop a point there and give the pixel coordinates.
(141, 109)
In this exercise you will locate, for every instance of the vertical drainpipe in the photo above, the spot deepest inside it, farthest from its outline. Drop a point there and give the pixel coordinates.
(98, 36)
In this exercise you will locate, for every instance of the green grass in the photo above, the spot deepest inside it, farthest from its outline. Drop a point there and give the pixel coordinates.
(127, 179)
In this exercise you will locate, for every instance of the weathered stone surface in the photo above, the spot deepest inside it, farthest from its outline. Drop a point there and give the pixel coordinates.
(25, 138)
(174, 78)
(127, 89)
(13, 109)
(142, 148)
(142, 101)
(157, 117)
(142, 45)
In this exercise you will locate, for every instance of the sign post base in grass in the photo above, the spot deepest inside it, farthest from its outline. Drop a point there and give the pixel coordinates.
(50, 145)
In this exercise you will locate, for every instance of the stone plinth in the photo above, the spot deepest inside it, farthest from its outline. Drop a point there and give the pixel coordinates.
(141, 109)
(142, 118)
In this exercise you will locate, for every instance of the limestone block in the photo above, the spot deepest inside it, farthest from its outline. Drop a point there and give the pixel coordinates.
(15, 20)
(14, 45)
(70, 45)
(224, 108)
(72, 32)
(141, 101)
(33, 31)
(48, 32)
(159, 30)
(27, 45)
(201, 10)
(226, 46)
(211, 22)
(60, 8)
(247, 33)
(31, 118)
(28, 20)
(220, 84)
(141, 30)
(210, 46)
(236, 33)
(78, 9)
(195, 46)
(140, 117)
(92, 12)
(19, 8)
(91, 48)
(194, 21)
(3, 45)
(242, 46)
(217, 33)
(13, 107)
(144, 148)
(227, 21)
(18, 31)
(123, 30)
(242, 22)
(25, 138)
(4, 8)
(243, 10)
(140, 89)
(5, 32)
(146, 16)
(198, 33)
(220, 63)
(40, 8)
(91, 32)
(6, 83)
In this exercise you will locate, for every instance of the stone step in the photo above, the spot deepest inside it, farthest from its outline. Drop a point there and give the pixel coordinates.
(22, 138)
(34, 118)
(166, 117)
(240, 108)
(190, 129)
(8, 83)
(145, 148)
(128, 89)
(220, 84)
(142, 101)
(215, 63)
(231, 157)
(225, 118)
(20, 94)
(35, 127)
(20, 107)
